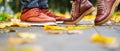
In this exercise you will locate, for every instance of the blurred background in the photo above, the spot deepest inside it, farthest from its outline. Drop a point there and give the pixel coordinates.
(13, 7)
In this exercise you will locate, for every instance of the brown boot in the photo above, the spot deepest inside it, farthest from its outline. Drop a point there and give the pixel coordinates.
(35, 15)
(105, 8)
(80, 8)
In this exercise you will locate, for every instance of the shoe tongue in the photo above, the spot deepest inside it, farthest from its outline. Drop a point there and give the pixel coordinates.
(101, 9)
(101, 6)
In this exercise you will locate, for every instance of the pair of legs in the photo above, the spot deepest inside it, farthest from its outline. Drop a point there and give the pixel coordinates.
(105, 8)
(37, 11)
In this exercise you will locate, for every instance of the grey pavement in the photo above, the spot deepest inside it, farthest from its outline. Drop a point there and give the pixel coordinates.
(64, 42)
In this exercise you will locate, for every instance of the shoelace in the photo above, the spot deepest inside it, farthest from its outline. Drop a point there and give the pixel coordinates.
(101, 5)
(50, 13)
(73, 6)
(72, 10)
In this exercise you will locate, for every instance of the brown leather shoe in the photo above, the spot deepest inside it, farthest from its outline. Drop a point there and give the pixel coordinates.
(80, 8)
(52, 14)
(35, 15)
(105, 8)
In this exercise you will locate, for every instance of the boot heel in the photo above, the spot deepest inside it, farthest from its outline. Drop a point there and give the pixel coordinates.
(90, 11)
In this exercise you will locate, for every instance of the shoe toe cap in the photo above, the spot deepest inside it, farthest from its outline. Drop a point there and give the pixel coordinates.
(99, 20)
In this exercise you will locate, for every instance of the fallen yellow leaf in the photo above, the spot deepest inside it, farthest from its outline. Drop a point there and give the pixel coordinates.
(25, 35)
(109, 40)
(25, 25)
(2, 25)
(55, 32)
(89, 17)
(15, 41)
(98, 38)
(19, 41)
(71, 27)
(48, 27)
(81, 27)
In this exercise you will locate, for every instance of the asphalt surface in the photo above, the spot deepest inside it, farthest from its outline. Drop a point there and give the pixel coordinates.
(63, 42)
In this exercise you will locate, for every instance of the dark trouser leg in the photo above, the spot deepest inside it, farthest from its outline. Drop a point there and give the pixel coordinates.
(43, 4)
(29, 3)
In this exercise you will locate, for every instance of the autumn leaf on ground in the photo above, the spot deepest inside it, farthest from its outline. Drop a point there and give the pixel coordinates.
(89, 17)
(48, 27)
(22, 38)
(2, 25)
(26, 35)
(98, 38)
(80, 27)
(55, 32)
(18, 15)
(116, 17)
(15, 40)
(22, 25)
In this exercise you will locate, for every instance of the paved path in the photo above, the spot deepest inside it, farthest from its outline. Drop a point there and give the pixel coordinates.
(65, 42)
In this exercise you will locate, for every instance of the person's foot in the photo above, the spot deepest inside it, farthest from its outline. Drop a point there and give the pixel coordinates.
(35, 15)
(105, 8)
(52, 14)
(80, 8)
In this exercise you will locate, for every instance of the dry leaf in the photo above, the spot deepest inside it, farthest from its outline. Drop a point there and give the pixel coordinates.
(55, 32)
(2, 26)
(26, 35)
(48, 27)
(98, 38)
(15, 41)
(19, 41)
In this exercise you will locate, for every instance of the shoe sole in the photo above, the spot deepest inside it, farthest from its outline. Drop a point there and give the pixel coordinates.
(110, 15)
(85, 13)
(40, 24)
